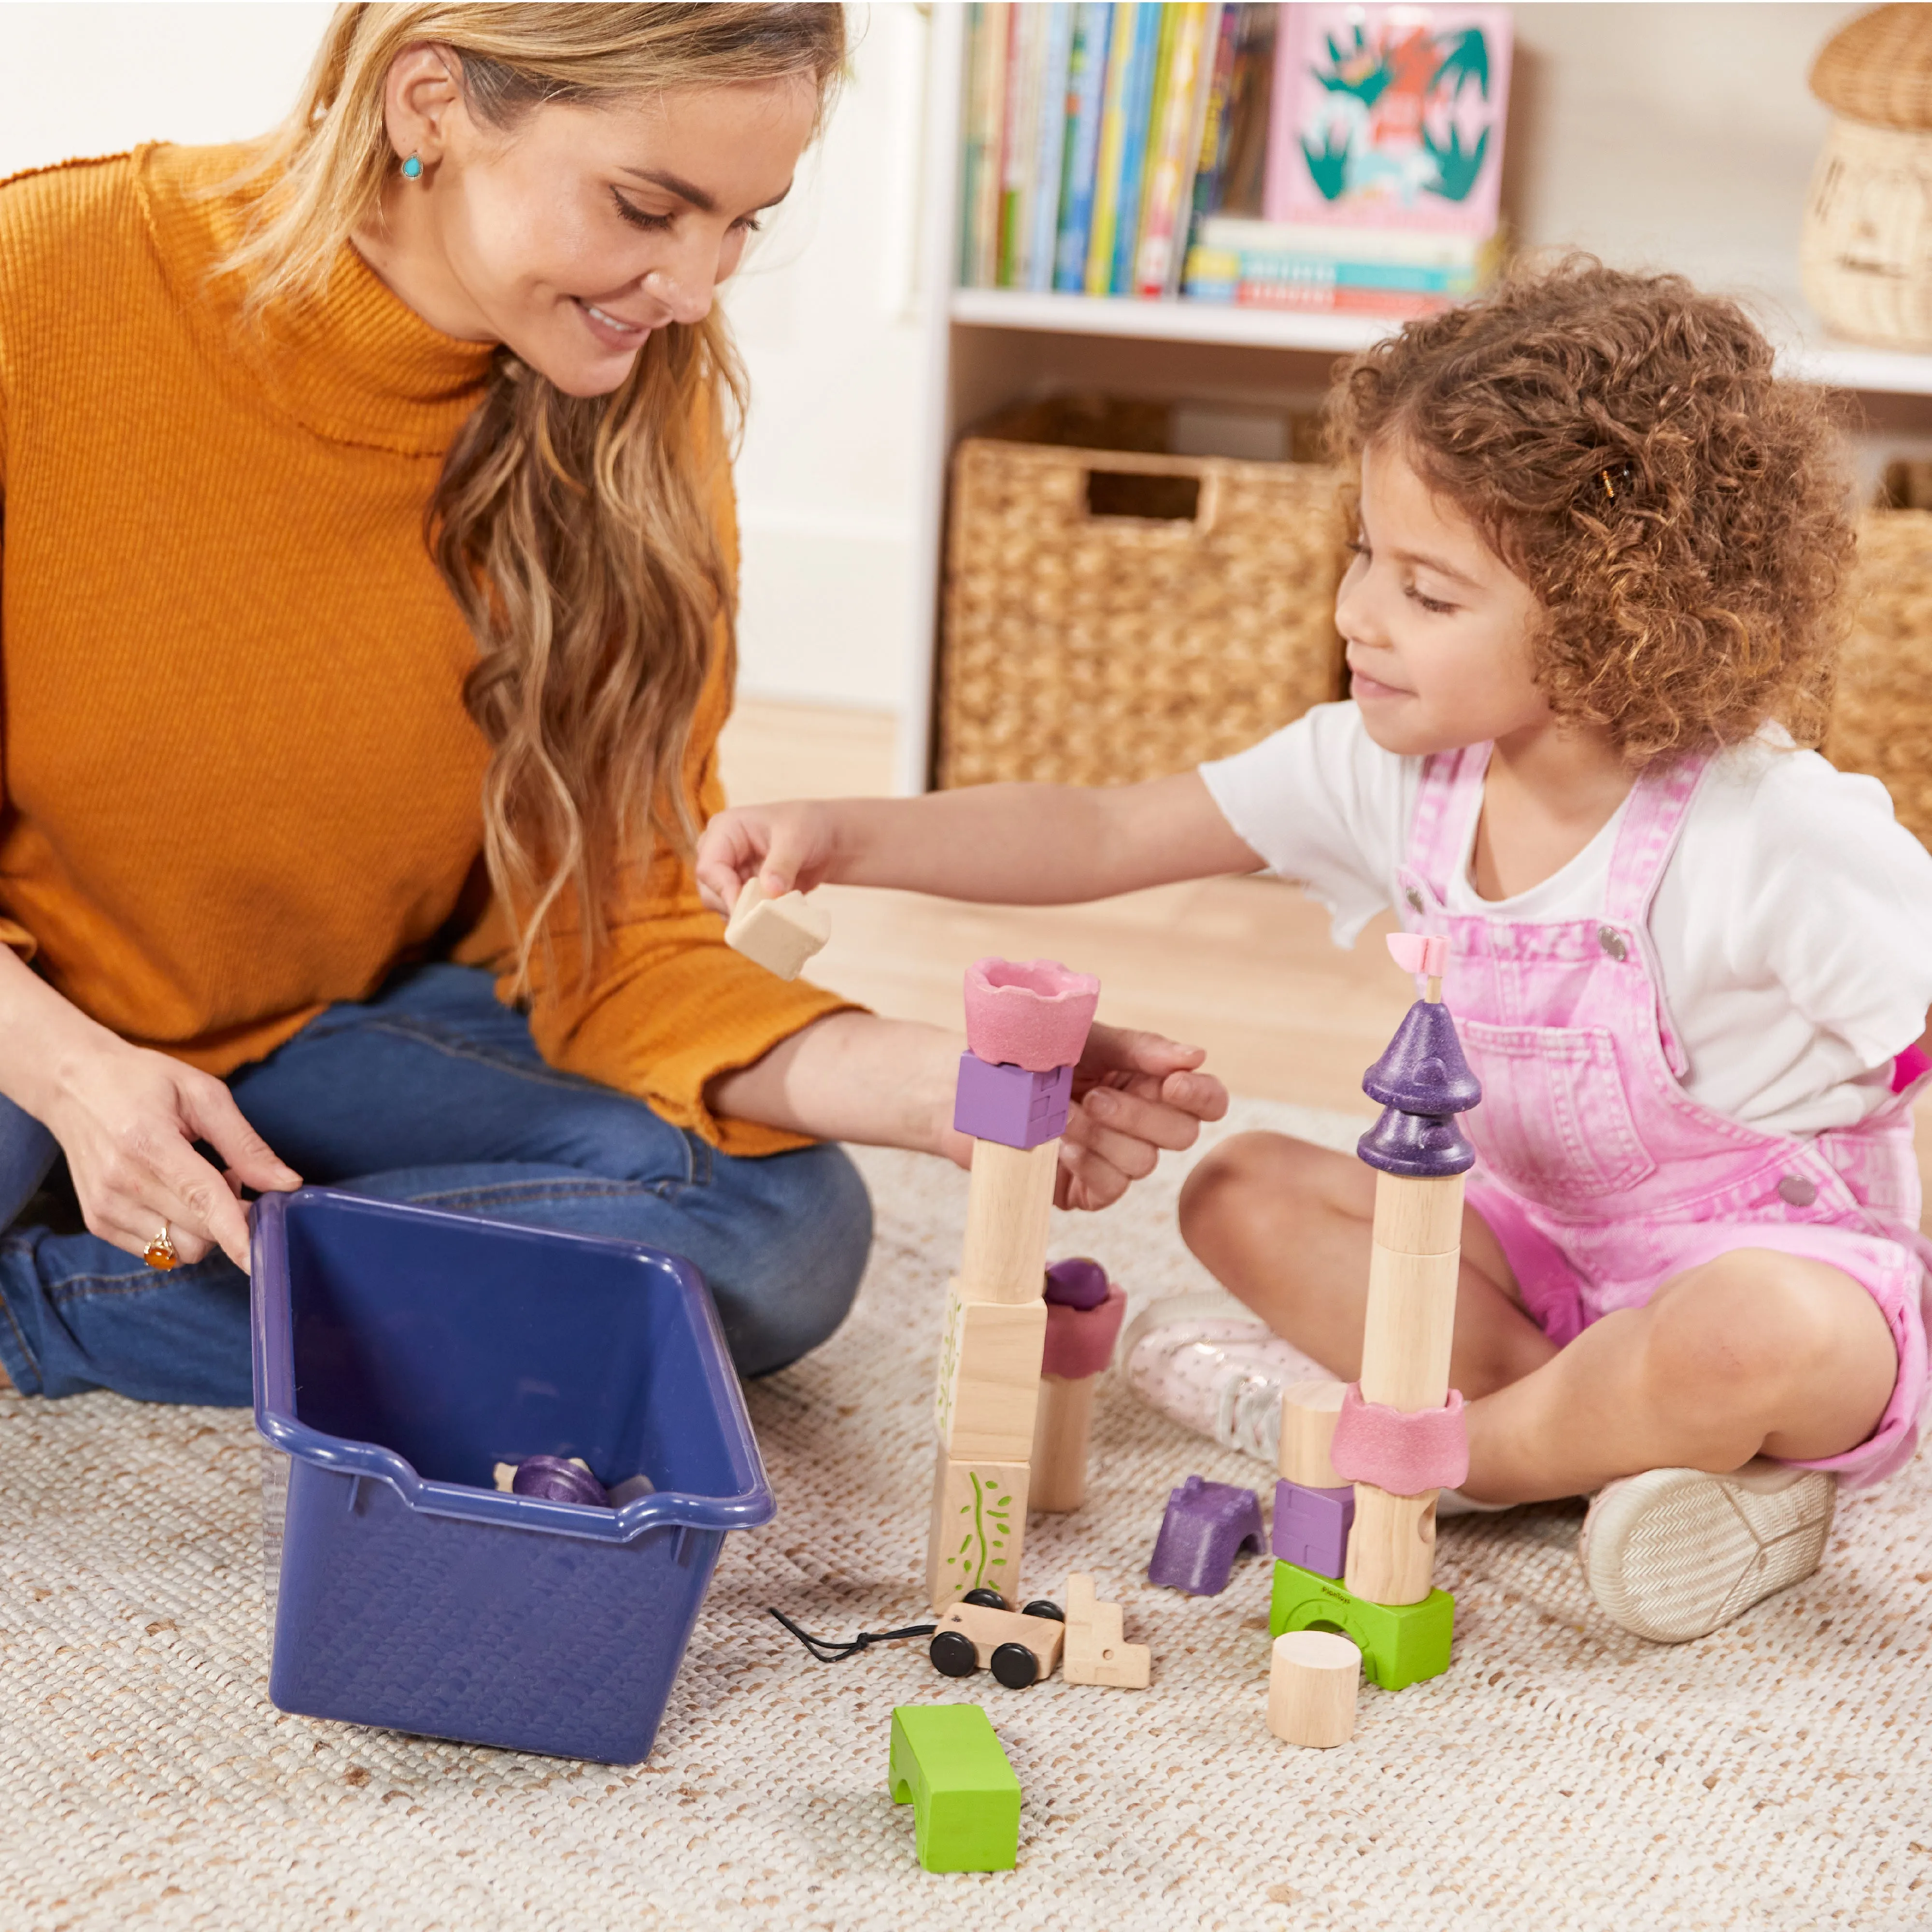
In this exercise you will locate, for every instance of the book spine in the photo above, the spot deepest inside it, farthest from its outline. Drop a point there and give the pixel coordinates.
(998, 26)
(1284, 136)
(1319, 299)
(972, 157)
(1086, 83)
(1153, 38)
(1018, 141)
(1411, 247)
(1170, 174)
(1213, 153)
(1052, 119)
(1123, 40)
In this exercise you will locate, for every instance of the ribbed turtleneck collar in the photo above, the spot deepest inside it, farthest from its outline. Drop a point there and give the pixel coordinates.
(356, 365)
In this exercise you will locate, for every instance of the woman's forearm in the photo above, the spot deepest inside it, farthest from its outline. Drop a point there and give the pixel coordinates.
(41, 1036)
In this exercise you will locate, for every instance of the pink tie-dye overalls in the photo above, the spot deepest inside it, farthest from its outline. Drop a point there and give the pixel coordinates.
(1601, 1177)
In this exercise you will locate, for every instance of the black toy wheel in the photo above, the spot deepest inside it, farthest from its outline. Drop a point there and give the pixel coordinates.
(1040, 1607)
(953, 1655)
(989, 1600)
(1015, 1666)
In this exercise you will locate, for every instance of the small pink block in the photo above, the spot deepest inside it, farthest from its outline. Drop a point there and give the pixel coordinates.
(1402, 1451)
(1033, 1014)
(1080, 1341)
(1424, 952)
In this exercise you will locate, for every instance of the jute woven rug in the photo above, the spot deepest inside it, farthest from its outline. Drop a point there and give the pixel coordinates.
(1562, 1775)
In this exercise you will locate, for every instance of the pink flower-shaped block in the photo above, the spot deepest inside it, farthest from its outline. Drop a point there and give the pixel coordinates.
(1034, 1013)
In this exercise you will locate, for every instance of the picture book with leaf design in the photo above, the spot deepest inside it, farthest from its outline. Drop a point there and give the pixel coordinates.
(1389, 116)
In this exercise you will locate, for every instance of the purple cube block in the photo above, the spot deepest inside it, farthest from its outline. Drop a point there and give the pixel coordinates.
(1206, 1524)
(1311, 1526)
(1010, 1104)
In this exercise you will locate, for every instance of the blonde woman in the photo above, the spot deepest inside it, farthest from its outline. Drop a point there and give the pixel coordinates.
(368, 581)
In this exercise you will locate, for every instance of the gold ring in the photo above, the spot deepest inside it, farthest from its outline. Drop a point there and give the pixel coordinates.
(160, 1252)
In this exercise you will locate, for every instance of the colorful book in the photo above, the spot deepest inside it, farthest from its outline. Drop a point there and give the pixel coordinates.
(995, 36)
(1425, 248)
(1212, 156)
(972, 147)
(1025, 51)
(1153, 33)
(1389, 116)
(1211, 272)
(1086, 84)
(1321, 298)
(1249, 96)
(1043, 220)
(1123, 50)
(1174, 147)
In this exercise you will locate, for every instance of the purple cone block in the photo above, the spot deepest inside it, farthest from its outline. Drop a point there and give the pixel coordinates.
(1207, 1524)
(1076, 1282)
(1426, 1146)
(1422, 1070)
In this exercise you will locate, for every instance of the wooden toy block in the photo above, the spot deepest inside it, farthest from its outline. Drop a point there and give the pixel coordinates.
(1308, 1413)
(989, 1361)
(1424, 1217)
(978, 1527)
(989, 1632)
(1097, 1651)
(1312, 1678)
(1062, 1423)
(1311, 1526)
(1401, 1643)
(1003, 1258)
(781, 934)
(947, 1765)
(1011, 1105)
(1410, 1322)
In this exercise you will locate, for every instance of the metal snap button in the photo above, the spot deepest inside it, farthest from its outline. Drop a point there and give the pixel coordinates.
(1414, 898)
(1612, 941)
(1796, 1190)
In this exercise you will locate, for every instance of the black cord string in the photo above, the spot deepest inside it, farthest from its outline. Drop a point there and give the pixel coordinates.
(829, 1650)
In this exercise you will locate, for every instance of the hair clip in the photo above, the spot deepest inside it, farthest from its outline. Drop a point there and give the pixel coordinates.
(1616, 480)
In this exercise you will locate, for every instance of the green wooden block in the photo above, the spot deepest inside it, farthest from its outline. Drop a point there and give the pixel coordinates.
(1401, 1643)
(947, 1762)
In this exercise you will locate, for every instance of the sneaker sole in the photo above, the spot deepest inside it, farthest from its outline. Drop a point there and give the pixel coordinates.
(1673, 1554)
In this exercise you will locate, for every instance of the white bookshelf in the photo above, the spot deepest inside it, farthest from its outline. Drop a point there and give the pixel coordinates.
(1643, 182)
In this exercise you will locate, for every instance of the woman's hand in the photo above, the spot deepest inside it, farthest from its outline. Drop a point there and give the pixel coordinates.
(127, 1119)
(786, 847)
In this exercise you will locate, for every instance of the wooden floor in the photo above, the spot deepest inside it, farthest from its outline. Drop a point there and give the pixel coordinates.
(1244, 967)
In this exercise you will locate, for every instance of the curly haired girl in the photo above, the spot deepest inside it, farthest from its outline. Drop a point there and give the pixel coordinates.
(1599, 556)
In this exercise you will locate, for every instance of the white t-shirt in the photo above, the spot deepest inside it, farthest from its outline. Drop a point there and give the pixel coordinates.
(1793, 924)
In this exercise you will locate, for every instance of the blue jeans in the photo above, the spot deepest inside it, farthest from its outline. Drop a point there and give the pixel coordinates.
(432, 1092)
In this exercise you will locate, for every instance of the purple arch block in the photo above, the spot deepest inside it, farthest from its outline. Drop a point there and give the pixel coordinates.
(1207, 1524)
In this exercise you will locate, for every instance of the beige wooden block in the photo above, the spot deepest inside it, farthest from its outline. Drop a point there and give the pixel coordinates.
(1003, 1258)
(986, 1629)
(1312, 1678)
(977, 1528)
(1062, 1424)
(1308, 1412)
(781, 934)
(1418, 1216)
(1391, 1546)
(989, 1358)
(1097, 1651)
(1409, 1326)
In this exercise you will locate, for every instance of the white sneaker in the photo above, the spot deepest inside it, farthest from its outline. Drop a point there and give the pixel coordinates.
(1673, 1553)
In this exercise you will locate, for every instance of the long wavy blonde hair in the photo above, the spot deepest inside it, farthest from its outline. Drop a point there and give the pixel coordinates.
(573, 532)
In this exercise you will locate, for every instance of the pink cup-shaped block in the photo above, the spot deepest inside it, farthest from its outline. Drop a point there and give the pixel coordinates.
(1034, 1013)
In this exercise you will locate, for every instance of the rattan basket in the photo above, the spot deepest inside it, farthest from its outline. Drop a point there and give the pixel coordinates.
(1865, 252)
(1881, 715)
(1112, 615)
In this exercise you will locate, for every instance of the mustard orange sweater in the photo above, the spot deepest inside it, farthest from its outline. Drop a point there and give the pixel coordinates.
(237, 780)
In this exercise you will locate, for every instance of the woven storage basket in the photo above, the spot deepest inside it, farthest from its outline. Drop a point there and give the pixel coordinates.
(1882, 714)
(1112, 615)
(1865, 254)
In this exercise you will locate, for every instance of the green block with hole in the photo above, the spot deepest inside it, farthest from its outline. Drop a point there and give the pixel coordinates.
(1400, 1643)
(947, 1762)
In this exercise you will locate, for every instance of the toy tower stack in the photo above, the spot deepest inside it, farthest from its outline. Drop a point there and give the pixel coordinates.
(1398, 1434)
(1026, 1026)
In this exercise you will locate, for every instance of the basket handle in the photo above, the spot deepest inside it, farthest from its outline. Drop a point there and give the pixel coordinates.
(1158, 496)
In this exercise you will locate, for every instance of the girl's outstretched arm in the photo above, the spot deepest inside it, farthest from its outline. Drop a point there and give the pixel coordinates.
(1011, 844)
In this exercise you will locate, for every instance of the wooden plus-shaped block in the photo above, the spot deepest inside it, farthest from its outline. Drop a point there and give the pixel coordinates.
(1097, 1651)
(1311, 1526)
(977, 1529)
(1401, 1643)
(989, 1360)
(947, 1765)
(780, 934)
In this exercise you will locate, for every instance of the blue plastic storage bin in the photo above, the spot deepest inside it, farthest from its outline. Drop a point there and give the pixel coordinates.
(399, 1353)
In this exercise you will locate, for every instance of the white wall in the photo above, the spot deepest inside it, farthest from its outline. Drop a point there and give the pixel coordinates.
(823, 312)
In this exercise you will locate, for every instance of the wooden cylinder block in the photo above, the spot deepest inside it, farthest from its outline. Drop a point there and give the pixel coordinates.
(1415, 1217)
(1308, 1413)
(1410, 1324)
(1060, 1426)
(1313, 1677)
(1004, 1257)
(1392, 1546)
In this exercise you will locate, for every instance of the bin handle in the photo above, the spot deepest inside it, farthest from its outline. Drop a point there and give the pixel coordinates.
(1202, 518)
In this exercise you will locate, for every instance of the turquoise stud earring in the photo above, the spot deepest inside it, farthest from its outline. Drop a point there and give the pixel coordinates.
(412, 168)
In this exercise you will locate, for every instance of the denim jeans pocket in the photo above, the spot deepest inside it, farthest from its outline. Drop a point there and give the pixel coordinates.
(1554, 1121)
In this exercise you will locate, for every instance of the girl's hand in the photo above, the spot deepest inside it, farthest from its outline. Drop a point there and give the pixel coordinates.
(127, 1119)
(785, 847)
(1135, 1094)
